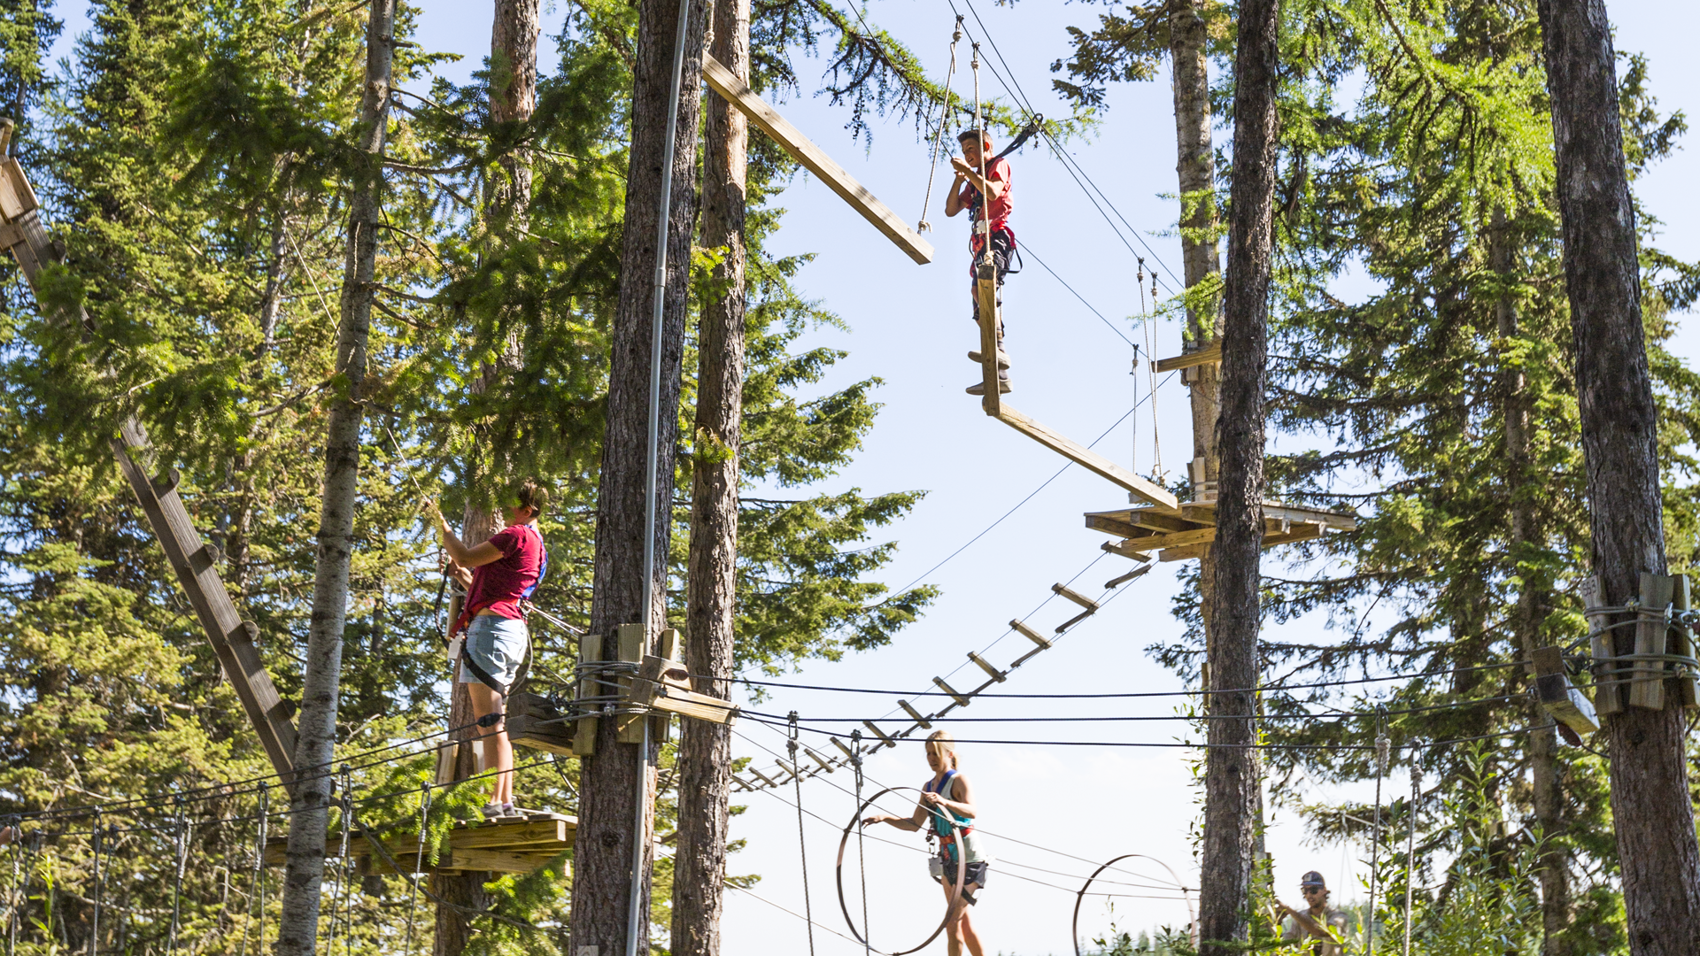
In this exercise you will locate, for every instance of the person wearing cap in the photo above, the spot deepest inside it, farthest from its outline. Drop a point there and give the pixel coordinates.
(989, 200)
(1325, 927)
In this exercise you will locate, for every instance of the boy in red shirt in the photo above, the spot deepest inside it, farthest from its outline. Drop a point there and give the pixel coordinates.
(499, 576)
(970, 191)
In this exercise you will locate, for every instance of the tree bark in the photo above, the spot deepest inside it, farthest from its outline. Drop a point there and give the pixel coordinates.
(1525, 617)
(310, 801)
(1651, 809)
(705, 749)
(1231, 776)
(513, 97)
(611, 786)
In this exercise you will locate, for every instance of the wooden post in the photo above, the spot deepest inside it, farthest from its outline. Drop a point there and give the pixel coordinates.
(1556, 694)
(986, 297)
(1682, 642)
(629, 726)
(1647, 689)
(1608, 693)
(589, 652)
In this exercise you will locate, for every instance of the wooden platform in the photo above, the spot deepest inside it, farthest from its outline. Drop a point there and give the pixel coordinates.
(1188, 530)
(507, 846)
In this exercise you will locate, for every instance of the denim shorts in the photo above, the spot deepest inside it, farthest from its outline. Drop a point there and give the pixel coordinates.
(497, 645)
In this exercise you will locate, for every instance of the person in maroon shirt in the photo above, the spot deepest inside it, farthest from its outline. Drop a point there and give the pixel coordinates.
(990, 225)
(499, 576)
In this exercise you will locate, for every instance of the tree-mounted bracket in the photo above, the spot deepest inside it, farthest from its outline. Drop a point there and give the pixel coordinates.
(1559, 697)
(664, 685)
(1664, 648)
(738, 93)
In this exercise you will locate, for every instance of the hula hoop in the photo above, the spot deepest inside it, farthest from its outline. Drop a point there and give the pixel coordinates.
(953, 908)
(1074, 926)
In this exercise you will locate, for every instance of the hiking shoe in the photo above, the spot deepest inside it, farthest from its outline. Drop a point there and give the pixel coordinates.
(1003, 358)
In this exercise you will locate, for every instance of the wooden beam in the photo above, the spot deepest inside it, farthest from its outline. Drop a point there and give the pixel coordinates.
(913, 713)
(1075, 596)
(1030, 634)
(629, 727)
(584, 732)
(1204, 512)
(1127, 548)
(532, 721)
(1647, 689)
(986, 666)
(986, 303)
(1209, 355)
(231, 637)
(1087, 458)
(1558, 696)
(1145, 520)
(736, 92)
(961, 701)
(880, 733)
(1608, 693)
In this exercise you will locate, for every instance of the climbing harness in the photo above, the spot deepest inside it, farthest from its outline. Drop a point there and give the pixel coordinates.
(418, 859)
(953, 907)
(938, 137)
(1074, 931)
(1411, 846)
(802, 843)
(861, 851)
(467, 613)
(1381, 754)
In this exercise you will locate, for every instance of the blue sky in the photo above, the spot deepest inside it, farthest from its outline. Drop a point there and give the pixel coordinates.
(907, 325)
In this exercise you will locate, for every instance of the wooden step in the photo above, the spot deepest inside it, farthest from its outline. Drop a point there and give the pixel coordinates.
(1209, 355)
(1144, 488)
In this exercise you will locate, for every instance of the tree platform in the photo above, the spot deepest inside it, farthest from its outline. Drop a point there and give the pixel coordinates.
(504, 846)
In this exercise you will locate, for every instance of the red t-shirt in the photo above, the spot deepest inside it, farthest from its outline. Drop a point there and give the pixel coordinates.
(499, 585)
(998, 170)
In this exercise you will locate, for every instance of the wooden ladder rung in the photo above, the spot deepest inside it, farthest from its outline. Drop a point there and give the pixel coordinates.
(991, 671)
(848, 753)
(1076, 597)
(1119, 581)
(880, 733)
(764, 778)
(913, 713)
(1208, 355)
(961, 701)
(817, 758)
(1030, 634)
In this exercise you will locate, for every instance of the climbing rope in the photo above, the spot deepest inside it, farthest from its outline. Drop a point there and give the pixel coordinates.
(1079, 897)
(256, 881)
(938, 137)
(1411, 846)
(94, 915)
(347, 807)
(17, 886)
(953, 907)
(1381, 767)
(861, 851)
(985, 223)
(802, 842)
(177, 880)
(418, 861)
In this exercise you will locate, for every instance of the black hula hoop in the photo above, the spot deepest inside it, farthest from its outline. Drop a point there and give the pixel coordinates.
(952, 910)
(1074, 926)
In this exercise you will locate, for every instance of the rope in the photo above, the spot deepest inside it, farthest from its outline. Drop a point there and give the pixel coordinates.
(1411, 847)
(94, 916)
(177, 882)
(347, 806)
(418, 857)
(938, 138)
(1381, 749)
(802, 841)
(256, 881)
(861, 851)
(985, 223)
(17, 881)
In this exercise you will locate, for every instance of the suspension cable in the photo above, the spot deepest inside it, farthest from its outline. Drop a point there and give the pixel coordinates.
(802, 840)
(938, 138)
(861, 849)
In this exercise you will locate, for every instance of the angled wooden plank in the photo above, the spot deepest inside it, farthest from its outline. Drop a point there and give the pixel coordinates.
(986, 300)
(1089, 459)
(1145, 519)
(1127, 548)
(1112, 524)
(1075, 596)
(739, 94)
(1209, 355)
(232, 638)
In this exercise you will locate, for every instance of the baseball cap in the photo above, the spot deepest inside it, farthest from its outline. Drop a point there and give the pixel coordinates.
(1313, 878)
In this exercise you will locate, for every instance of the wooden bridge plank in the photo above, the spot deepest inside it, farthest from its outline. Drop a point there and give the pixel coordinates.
(1149, 490)
(803, 150)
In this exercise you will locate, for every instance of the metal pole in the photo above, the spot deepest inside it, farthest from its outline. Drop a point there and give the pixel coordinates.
(635, 920)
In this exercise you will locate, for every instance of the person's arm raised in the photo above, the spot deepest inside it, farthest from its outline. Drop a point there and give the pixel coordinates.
(963, 805)
(473, 557)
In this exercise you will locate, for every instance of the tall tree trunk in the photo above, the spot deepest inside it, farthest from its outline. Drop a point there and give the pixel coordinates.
(705, 749)
(1231, 775)
(513, 97)
(612, 788)
(1651, 809)
(298, 926)
(1525, 617)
